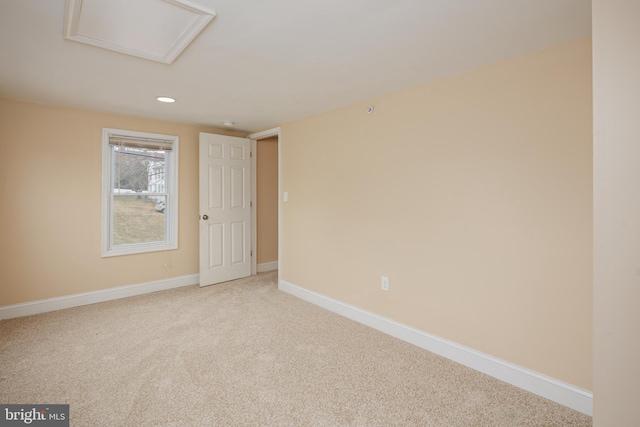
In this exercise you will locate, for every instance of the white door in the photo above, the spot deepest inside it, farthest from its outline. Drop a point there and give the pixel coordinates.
(225, 209)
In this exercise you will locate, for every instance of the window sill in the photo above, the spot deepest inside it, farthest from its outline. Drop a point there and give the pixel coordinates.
(138, 249)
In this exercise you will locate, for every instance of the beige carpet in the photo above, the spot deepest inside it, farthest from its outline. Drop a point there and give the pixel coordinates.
(245, 354)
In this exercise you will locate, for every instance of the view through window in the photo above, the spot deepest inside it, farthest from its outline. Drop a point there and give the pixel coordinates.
(140, 199)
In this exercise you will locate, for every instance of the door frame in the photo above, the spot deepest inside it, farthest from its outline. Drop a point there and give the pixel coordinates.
(255, 137)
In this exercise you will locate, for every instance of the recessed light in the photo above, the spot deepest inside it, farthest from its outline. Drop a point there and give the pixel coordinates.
(165, 99)
(229, 124)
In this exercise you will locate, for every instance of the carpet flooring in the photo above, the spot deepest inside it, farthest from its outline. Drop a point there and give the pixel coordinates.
(244, 353)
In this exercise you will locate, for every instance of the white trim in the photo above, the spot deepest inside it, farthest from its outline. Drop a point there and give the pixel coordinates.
(76, 300)
(265, 134)
(254, 206)
(261, 135)
(549, 388)
(267, 266)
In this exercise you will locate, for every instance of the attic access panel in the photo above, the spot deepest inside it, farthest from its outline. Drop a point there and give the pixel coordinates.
(158, 30)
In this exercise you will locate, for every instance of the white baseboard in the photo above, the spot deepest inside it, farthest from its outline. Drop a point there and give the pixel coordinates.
(59, 303)
(549, 388)
(267, 266)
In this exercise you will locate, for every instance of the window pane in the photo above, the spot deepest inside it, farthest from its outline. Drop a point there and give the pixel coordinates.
(138, 170)
(138, 219)
(140, 177)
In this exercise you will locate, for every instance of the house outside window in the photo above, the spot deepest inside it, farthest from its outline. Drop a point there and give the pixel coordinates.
(139, 192)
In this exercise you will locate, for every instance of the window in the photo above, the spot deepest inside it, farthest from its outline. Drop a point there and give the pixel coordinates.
(139, 192)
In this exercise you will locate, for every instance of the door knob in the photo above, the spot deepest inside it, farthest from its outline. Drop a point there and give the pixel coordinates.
(205, 217)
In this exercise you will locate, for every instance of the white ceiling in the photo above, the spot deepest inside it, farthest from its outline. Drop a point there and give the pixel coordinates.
(261, 63)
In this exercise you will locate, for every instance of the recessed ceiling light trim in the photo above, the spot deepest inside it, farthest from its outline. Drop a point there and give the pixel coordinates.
(201, 18)
(165, 99)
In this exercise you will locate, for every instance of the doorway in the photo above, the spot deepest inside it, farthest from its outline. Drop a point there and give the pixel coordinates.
(267, 204)
(265, 187)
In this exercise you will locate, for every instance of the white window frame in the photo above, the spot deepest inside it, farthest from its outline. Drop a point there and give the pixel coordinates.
(171, 183)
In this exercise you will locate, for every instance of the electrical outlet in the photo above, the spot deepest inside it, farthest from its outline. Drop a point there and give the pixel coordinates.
(384, 283)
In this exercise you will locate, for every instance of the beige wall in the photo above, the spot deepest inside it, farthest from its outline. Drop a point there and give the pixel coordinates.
(267, 193)
(50, 187)
(616, 37)
(473, 193)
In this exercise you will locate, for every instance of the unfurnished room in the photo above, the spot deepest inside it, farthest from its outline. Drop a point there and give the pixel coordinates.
(319, 213)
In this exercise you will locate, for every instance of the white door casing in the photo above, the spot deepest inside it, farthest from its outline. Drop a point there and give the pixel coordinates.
(254, 137)
(225, 208)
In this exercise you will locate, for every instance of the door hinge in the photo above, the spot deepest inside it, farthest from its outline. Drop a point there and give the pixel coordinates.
(250, 204)
(251, 253)
(250, 153)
